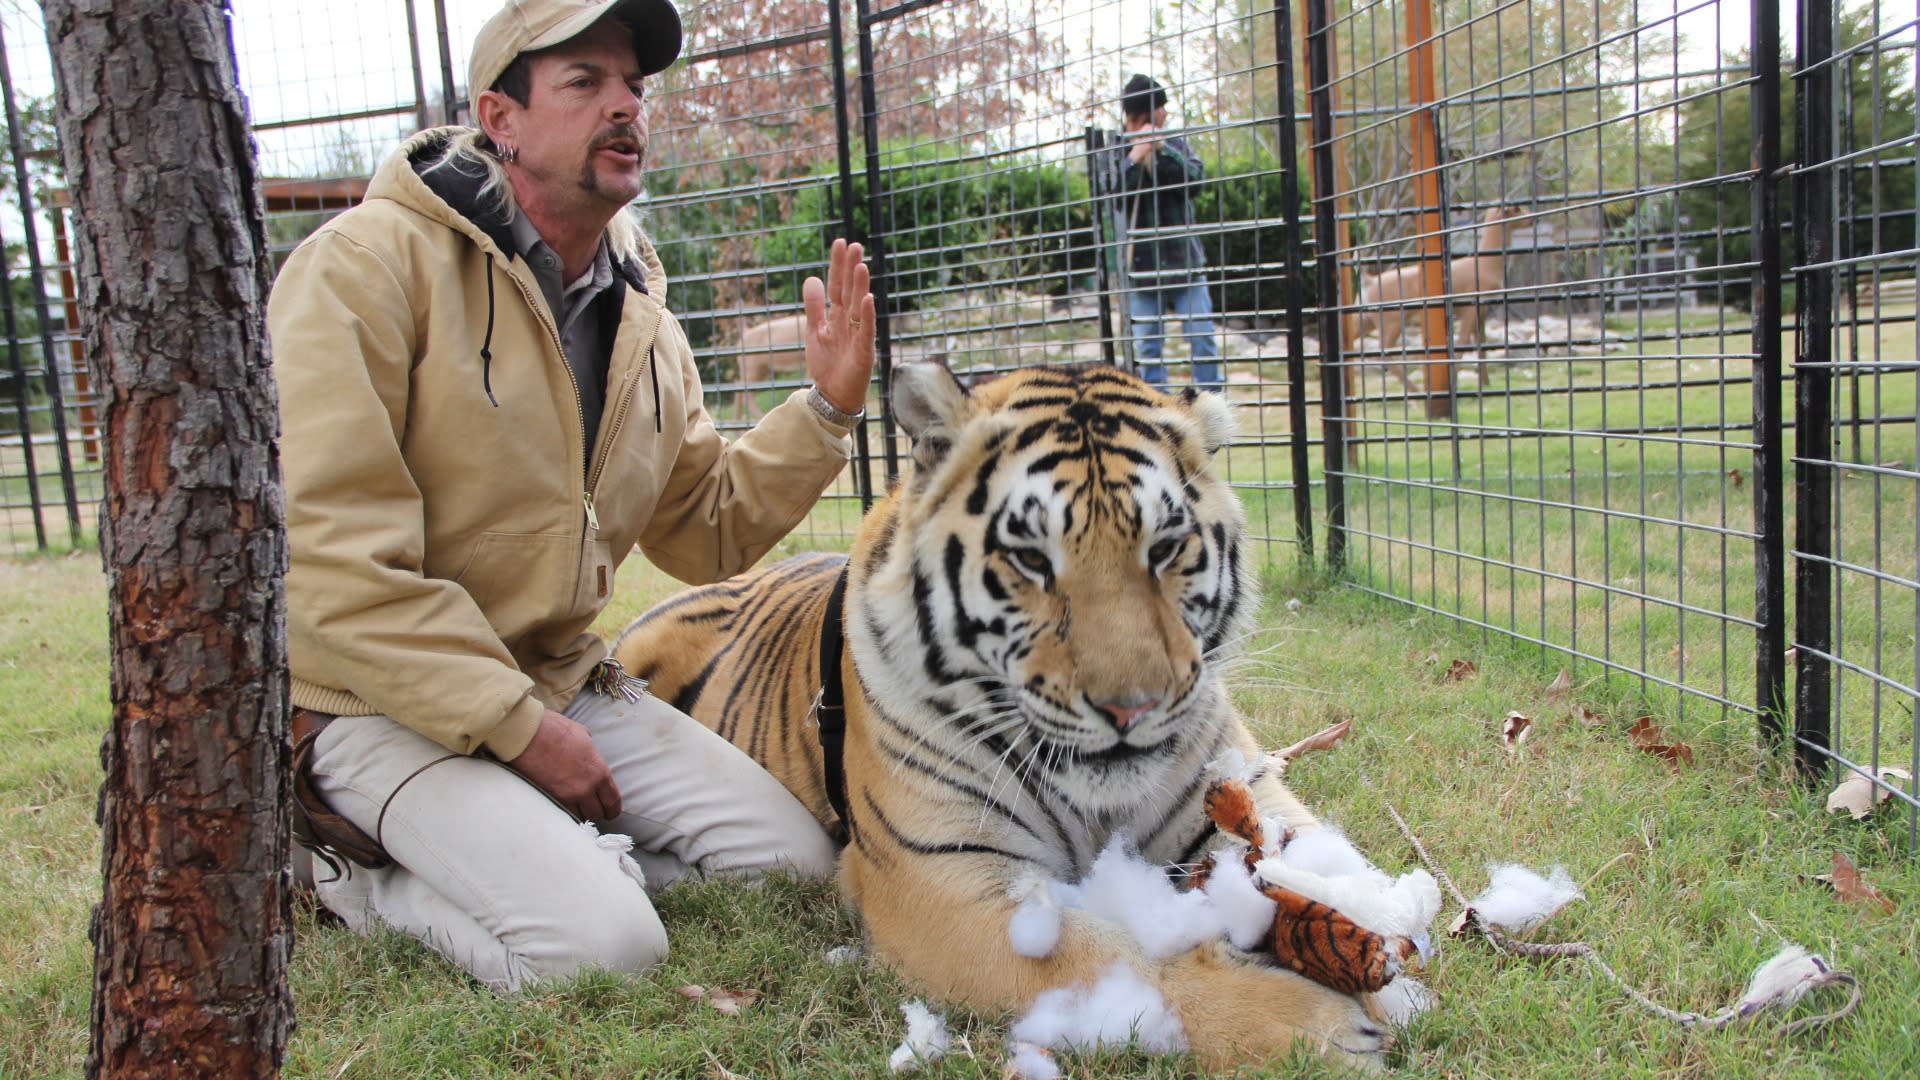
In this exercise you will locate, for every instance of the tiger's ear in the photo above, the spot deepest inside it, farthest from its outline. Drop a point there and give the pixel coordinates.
(1214, 415)
(931, 405)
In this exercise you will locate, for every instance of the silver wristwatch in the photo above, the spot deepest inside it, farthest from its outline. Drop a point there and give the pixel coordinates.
(819, 403)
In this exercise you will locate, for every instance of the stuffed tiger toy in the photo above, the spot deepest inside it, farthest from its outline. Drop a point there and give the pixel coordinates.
(1034, 625)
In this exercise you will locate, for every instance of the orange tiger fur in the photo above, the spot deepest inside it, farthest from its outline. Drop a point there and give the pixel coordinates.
(1033, 623)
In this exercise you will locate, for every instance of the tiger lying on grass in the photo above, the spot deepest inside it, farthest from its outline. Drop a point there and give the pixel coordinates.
(1034, 625)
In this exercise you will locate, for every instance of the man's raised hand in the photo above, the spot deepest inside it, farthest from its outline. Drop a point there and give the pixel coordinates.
(840, 337)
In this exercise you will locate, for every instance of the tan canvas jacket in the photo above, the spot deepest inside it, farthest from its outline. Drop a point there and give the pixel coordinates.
(448, 553)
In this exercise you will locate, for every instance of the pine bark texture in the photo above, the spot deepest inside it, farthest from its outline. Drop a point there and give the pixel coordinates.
(193, 933)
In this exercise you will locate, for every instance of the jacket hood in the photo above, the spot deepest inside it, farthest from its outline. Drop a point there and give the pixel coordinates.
(451, 196)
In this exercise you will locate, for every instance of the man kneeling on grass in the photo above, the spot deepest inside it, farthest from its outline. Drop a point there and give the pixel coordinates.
(485, 406)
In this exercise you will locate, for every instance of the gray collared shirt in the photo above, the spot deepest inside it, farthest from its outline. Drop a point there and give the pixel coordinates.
(571, 305)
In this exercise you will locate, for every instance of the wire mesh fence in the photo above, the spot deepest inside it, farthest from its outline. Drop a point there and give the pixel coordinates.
(1547, 320)
(1856, 451)
(1588, 325)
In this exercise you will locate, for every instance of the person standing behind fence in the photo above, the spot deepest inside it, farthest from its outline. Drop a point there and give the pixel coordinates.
(486, 405)
(1167, 270)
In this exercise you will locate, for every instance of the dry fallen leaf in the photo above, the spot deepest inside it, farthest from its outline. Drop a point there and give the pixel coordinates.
(1560, 688)
(1648, 738)
(732, 1001)
(1680, 654)
(1324, 739)
(1515, 731)
(1588, 716)
(1858, 794)
(1737, 478)
(1460, 670)
(691, 992)
(1851, 887)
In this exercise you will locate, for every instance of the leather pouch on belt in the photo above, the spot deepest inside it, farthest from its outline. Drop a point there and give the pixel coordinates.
(332, 838)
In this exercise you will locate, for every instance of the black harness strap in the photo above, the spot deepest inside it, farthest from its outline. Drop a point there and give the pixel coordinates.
(830, 709)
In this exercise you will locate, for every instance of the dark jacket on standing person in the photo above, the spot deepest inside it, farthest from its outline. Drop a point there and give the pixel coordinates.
(1160, 214)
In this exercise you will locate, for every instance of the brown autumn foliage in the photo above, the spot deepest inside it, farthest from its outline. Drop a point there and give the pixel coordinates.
(750, 107)
(1650, 739)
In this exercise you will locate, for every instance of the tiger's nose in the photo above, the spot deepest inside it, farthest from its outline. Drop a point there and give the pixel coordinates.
(1123, 714)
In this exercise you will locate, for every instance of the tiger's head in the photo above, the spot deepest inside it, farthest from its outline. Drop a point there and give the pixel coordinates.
(1058, 576)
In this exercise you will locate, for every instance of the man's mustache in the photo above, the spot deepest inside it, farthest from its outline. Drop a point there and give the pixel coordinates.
(629, 132)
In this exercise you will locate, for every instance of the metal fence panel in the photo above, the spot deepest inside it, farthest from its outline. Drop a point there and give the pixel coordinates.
(1857, 455)
(1009, 234)
(1541, 252)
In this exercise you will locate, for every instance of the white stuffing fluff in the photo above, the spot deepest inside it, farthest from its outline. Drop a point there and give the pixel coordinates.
(844, 954)
(1034, 928)
(1030, 1062)
(1273, 832)
(926, 1038)
(1244, 911)
(1120, 1009)
(1403, 999)
(1125, 889)
(617, 845)
(1405, 907)
(1327, 852)
(1516, 898)
(1783, 980)
(1231, 765)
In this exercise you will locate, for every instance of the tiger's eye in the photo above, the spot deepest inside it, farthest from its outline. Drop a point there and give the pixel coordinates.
(1162, 551)
(1034, 560)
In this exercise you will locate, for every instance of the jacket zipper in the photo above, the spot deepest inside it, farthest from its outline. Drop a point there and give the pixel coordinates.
(580, 432)
(620, 414)
(592, 464)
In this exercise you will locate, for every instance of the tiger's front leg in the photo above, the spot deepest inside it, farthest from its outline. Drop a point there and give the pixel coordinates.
(941, 919)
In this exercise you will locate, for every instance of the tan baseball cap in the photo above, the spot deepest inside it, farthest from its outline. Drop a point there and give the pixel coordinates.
(530, 25)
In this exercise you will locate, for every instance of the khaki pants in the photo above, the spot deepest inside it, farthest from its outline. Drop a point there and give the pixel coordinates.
(505, 884)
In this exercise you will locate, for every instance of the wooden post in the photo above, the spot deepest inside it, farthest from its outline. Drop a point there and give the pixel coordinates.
(1433, 244)
(76, 356)
(194, 928)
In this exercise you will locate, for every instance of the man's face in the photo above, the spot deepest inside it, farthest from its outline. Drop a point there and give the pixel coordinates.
(582, 136)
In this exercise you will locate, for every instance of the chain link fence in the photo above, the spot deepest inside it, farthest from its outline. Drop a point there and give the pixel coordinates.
(1587, 326)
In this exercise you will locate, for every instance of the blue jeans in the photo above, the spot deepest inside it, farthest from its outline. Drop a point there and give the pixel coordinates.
(1151, 308)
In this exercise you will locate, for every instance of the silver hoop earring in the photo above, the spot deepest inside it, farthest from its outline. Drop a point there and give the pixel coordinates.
(509, 154)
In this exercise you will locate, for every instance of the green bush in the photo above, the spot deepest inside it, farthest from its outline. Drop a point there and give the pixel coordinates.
(959, 223)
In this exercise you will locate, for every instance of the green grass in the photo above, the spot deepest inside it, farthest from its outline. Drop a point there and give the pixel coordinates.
(1692, 879)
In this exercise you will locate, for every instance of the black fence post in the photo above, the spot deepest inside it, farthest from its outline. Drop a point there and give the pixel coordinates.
(1770, 677)
(862, 454)
(56, 395)
(877, 234)
(448, 101)
(420, 116)
(1293, 240)
(1096, 139)
(1814, 229)
(1332, 370)
(22, 407)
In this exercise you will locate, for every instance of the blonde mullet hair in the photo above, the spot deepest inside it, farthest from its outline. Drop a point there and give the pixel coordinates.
(469, 151)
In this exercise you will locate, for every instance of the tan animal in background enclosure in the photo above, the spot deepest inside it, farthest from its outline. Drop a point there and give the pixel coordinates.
(779, 345)
(1484, 271)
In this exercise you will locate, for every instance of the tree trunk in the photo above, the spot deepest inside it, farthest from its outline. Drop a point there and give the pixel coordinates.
(193, 931)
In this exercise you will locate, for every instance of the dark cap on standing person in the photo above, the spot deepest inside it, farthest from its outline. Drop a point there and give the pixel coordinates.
(525, 26)
(1142, 96)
